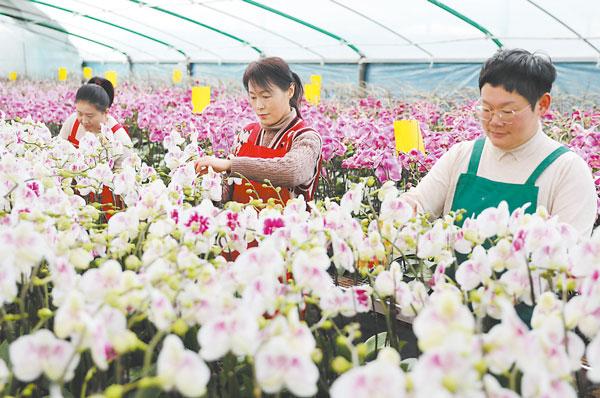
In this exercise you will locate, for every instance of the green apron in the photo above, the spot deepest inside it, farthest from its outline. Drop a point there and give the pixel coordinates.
(475, 194)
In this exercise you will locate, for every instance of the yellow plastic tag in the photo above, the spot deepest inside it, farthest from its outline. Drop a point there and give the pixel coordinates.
(177, 76)
(316, 80)
(87, 73)
(408, 136)
(200, 98)
(12, 76)
(111, 76)
(312, 93)
(62, 74)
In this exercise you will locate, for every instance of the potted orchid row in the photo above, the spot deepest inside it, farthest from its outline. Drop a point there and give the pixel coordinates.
(358, 135)
(148, 302)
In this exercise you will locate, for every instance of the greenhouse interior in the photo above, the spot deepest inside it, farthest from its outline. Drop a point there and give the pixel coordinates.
(326, 198)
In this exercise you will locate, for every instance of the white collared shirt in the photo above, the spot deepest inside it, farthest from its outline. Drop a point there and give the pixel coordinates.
(566, 187)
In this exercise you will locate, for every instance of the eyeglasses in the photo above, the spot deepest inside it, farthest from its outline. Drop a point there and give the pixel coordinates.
(505, 116)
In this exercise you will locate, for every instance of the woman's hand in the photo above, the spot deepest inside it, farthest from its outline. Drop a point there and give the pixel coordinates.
(218, 165)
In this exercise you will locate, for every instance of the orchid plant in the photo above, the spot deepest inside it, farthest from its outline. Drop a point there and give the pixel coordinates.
(357, 133)
(152, 301)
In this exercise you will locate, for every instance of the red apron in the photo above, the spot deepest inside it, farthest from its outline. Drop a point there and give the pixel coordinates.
(108, 200)
(278, 149)
(281, 146)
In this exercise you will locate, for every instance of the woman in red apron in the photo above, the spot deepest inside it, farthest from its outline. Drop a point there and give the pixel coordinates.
(279, 148)
(92, 102)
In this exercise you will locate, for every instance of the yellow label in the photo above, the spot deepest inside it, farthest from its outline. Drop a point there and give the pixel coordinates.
(408, 136)
(111, 76)
(200, 98)
(316, 80)
(312, 93)
(12, 76)
(62, 74)
(177, 75)
(87, 73)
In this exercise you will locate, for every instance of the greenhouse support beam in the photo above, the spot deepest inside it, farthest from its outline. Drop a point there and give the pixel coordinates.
(218, 57)
(362, 76)
(72, 12)
(321, 57)
(307, 24)
(64, 31)
(212, 28)
(467, 20)
(586, 41)
(46, 20)
(392, 31)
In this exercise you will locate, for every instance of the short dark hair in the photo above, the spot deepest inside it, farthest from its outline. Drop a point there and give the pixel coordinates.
(95, 95)
(106, 85)
(274, 70)
(530, 75)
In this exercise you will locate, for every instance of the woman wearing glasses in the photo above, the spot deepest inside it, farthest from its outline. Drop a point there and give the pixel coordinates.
(515, 161)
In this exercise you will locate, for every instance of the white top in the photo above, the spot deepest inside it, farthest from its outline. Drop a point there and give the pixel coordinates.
(67, 126)
(566, 187)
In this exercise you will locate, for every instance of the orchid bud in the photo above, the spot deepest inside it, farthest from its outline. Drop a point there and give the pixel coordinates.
(179, 327)
(317, 355)
(340, 365)
(327, 324)
(114, 391)
(132, 262)
(450, 383)
(125, 342)
(481, 367)
(362, 350)
(341, 341)
(149, 382)
(44, 313)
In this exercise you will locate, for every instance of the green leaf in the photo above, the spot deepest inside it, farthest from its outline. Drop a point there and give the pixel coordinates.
(4, 351)
(374, 344)
(408, 364)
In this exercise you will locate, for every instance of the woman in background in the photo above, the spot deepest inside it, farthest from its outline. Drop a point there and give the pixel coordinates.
(92, 102)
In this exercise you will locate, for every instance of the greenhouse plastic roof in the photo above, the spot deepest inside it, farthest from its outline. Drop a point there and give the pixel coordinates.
(324, 31)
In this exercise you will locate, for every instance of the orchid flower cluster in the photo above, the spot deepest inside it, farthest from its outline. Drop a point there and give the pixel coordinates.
(154, 298)
(358, 136)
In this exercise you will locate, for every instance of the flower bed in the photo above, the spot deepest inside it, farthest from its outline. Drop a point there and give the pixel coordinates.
(148, 303)
(358, 139)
